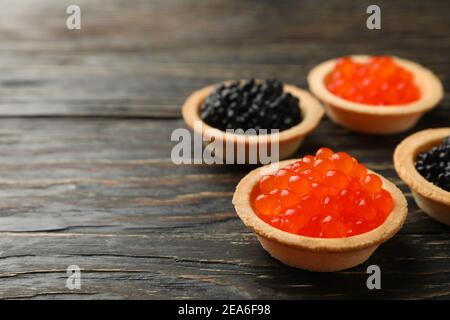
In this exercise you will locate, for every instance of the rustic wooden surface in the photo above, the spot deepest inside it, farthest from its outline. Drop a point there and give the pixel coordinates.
(85, 170)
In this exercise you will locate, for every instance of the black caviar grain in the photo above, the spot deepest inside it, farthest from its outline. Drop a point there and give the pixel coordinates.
(251, 105)
(434, 165)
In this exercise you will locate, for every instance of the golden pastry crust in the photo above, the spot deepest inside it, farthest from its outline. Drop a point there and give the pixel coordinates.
(377, 119)
(289, 140)
(431, 199)
(242, 204)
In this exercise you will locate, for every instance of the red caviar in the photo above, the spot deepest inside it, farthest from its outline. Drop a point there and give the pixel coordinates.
(380, 81)
(329, 195)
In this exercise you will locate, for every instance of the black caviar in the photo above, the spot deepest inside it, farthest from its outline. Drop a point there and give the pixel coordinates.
(434, 164)
(251, 105)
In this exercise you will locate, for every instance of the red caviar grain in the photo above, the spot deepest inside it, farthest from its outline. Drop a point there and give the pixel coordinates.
(288, 199)
(318, 190)
(282, 179)
(323, 165)
(366, 209)
(384, 202)
(358, 171)
(277, 210)
(347, 201)
(300, 166)
(312, 175)
(354, 184)
(332, 228)
(310, 204)
(360, 226)
(342, 162)
(299, 184)
(333, 191)
(309, 161)
(371, 183)
(266, 183)
(275, 192)
(324, 153)
(265, 203)
(329, 195)
(276, 222)
(293, 219)
(330, 206)
(379, 81)
(312, 229)
(335, 178)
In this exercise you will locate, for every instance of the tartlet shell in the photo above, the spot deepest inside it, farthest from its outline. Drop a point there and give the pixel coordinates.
(289, 139)
(433, 200)
(377, 119)
(315, 254)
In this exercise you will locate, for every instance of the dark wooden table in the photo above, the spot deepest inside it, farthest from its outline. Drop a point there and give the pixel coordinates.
(85, 171)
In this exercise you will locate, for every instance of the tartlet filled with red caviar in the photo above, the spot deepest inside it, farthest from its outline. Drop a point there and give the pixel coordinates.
(375, 94)
(325, 212)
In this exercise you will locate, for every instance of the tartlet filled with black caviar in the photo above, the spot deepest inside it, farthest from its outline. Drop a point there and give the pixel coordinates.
(250, 115)
(422, 161)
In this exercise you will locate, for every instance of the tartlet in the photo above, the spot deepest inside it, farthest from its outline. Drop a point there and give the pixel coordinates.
(377, 119)
(289, 140)
(315, 254)
(433, 200)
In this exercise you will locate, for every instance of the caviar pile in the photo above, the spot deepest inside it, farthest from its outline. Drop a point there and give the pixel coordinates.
(251, 105)
(434, 165)
(380, 81)
(329, 195)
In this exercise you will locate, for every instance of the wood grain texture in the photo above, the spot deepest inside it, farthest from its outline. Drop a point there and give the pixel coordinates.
(85, 124)
(142, 58)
